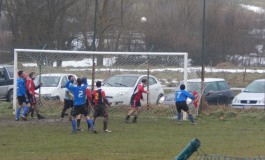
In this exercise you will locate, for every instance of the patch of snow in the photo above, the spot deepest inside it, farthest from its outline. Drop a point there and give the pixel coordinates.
(255, 9)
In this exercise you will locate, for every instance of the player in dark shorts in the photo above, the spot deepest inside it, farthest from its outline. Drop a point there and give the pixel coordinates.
(100, 109)
(88, 105)
(80, 107)
(136, 101)
(181, 97)
(21, 96)
(31, 95)
(68, 100)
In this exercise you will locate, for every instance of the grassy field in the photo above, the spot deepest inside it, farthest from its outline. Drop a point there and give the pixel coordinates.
(221, 131)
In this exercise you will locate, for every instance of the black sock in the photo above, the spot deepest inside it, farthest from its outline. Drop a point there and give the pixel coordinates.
(135, 118)
(63, 112)
(78, 123)
(105, 124)
(127, 117)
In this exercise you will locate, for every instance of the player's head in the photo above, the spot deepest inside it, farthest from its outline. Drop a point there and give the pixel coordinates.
(79, 81)
(84, 79)
(70, 78)
(98, 83)
(182, 86)
(144, 81)
(32, 75)
(21, 74)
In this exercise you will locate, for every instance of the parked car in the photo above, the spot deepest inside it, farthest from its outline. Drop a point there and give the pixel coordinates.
(120, 88)
(6, 82)
(253, 96)
(216, 91)
(51, 85)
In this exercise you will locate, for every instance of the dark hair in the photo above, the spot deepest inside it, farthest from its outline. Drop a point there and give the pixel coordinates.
(144, 80)
(20, 73)
(98, 83)
(31, 74)
(70, 76)
(182, 86)
(79, 81)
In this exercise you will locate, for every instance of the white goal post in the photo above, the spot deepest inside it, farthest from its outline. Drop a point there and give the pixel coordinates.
(22, 56)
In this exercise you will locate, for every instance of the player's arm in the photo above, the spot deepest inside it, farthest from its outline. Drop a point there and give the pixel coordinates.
(105, 99)
(70, 87)
(38, 86)
(141, 89)
(89, 96)
(189, 95)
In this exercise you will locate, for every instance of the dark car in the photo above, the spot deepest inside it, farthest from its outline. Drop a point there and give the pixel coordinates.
(216, 91)
(6, 82)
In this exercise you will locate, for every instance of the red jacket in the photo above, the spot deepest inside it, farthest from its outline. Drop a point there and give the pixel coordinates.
(30, 86)
(139, 92)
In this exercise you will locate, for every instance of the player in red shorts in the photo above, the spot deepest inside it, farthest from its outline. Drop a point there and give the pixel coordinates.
(30, 86)
(136, 101)
(100, 109)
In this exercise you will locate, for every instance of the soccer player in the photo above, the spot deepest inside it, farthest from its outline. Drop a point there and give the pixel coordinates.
(68, 99)
(79, 102)
(181, 97)
(136, 101)
(88, 105)
(21, 96)
(100, 109)
(30, 86)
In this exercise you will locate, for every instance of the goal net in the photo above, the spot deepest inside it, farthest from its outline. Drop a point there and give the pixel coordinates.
(120, 72)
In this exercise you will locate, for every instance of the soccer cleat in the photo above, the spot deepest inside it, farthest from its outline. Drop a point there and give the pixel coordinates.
(41, 117)
(107, 131)
(79, 129)
(73, 132)
(24, 117)
(193, 123)
(16, 119)
(126, 121)
(179, 123)
(94, 131)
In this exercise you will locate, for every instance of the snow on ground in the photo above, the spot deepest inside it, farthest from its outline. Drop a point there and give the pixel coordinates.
(253, 8)
(86, 64)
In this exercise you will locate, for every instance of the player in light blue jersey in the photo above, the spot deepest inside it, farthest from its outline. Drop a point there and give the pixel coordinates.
(22, 96)
(80, 106)
(181, 97)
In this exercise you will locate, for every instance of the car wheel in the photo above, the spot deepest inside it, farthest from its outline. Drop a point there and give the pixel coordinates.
(159, 99)
(9, 97)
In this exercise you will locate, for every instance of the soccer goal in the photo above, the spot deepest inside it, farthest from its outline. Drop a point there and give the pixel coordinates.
(162, 69)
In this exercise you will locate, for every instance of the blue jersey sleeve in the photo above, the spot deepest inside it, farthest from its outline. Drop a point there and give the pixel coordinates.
(189, 95)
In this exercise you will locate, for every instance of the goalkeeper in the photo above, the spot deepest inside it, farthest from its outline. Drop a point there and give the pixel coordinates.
(181, 97)
(80, 107)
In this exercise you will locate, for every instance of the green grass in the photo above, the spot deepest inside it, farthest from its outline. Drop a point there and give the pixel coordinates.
(221, 131)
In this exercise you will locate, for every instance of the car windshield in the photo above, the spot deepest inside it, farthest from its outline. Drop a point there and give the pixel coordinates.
(48, 81)
(121, 81)
(256, 87)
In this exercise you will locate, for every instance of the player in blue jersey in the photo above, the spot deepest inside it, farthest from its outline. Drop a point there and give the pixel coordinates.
(22, 96)
(181, 97)
(80, 107)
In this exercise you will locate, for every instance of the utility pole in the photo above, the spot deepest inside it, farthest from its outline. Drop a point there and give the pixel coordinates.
(202, 55)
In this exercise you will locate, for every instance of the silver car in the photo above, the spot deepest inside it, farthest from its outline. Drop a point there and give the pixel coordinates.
(120, 88)
(253, 96)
